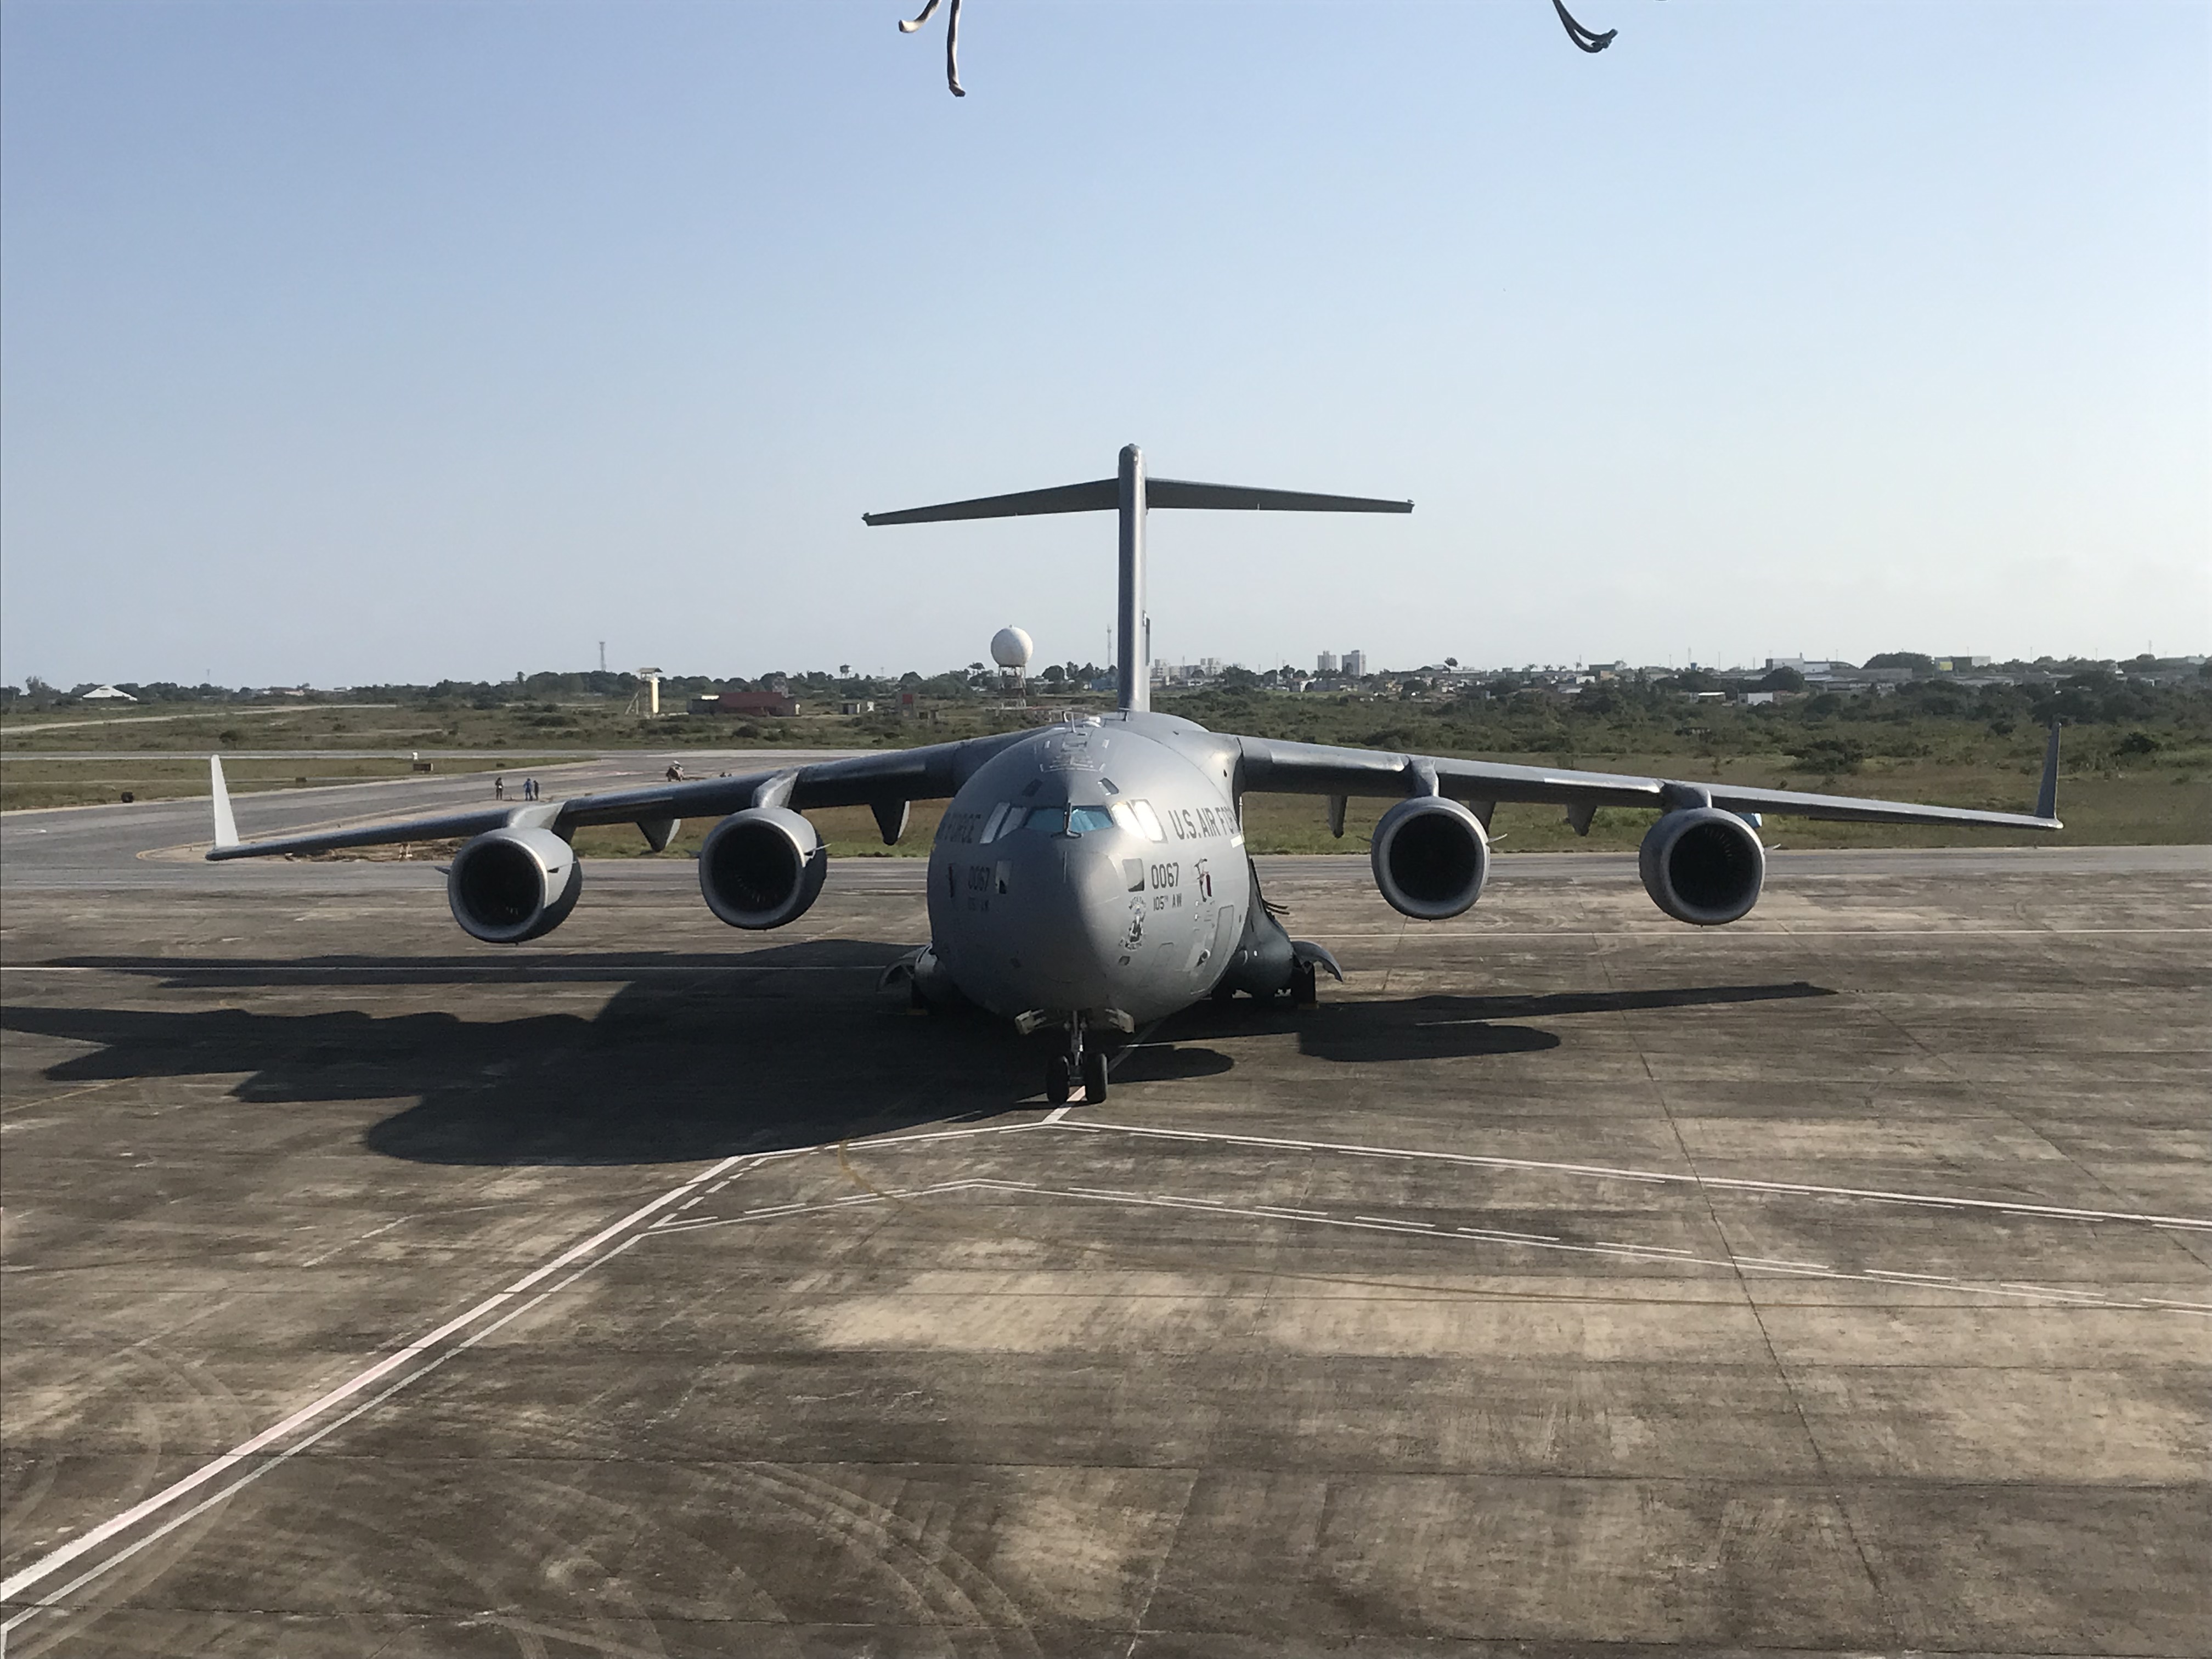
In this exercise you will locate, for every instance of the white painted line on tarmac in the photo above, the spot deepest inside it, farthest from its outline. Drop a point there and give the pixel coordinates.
(873, 1141)
(46, 1566)
(1731, 1184)
(1664, 1254)
(318, 1260)
(55, 1598)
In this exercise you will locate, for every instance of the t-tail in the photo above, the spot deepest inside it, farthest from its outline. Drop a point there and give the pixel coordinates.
(1131, 494)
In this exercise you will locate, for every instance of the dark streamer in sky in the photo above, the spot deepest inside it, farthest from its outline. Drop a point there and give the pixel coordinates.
(1585, 39)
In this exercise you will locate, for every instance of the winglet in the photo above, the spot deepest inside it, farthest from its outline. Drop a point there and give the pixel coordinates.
(226, 826)
(2046, 797)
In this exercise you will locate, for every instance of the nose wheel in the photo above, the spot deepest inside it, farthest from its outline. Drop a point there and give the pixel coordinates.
(1063, 1069)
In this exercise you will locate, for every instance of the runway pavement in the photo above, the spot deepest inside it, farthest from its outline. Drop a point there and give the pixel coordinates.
(1570, 1282)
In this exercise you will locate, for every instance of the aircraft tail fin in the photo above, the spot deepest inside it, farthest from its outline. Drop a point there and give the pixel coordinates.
(1130, 494)
(226, 826)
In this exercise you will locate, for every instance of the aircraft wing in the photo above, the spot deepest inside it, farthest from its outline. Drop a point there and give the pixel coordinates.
(885, 782)
(1312, 769)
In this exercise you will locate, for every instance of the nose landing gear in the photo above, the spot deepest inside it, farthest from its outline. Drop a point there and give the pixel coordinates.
(1062, 1070)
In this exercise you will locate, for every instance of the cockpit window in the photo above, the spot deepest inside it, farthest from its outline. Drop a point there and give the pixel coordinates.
(1058, 820)
(1148, 820)
(997, 821)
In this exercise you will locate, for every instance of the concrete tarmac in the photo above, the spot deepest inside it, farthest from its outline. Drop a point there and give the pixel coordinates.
(1568, 1283)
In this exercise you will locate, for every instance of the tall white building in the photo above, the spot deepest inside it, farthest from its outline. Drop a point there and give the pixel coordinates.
(1325, 663)
(1355, 664)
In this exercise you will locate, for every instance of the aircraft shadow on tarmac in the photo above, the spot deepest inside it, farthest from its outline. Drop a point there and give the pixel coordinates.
(1445, 1027)
(693, 1057)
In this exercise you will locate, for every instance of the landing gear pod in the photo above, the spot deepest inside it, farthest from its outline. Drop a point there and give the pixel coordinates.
(1431, 858)
(1702, 865)
(762, 867)
(509, 886)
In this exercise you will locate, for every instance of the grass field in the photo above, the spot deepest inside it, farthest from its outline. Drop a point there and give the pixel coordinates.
(534, 727)
(30, 782)
(2106, 795)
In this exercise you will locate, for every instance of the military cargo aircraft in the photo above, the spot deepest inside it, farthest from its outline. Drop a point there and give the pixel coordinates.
(1091, 875)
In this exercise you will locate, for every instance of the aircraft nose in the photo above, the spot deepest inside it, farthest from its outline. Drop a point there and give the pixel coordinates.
(1062, 916)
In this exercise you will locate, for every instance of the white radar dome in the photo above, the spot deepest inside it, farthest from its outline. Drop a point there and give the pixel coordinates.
(1011, 647)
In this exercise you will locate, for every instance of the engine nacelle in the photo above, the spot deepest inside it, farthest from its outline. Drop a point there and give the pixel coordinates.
(762, 867)
(509, 886)
(1430, 857)
(1701, 866)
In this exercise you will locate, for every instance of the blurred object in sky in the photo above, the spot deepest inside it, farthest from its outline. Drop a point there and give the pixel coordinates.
(1586, 38)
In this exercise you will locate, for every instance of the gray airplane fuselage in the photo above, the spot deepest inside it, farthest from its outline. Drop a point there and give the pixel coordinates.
(1098, 866)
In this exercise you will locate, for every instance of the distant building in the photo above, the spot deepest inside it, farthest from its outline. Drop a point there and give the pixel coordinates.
(857, 706)
(1355, 664)
(1325, 665)
(778, 704)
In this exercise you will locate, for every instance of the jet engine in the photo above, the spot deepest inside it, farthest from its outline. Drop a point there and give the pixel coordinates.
(1701, 866)
(509, 885)
(1430, 856)
(762, 867)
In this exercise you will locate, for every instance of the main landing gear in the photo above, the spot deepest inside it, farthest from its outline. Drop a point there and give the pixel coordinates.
(1063, 1069)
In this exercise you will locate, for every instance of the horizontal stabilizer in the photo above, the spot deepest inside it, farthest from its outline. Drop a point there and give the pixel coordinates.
(1242, 498)
(1105, 496)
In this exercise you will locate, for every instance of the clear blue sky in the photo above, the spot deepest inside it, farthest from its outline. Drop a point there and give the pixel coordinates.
(349, 341)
